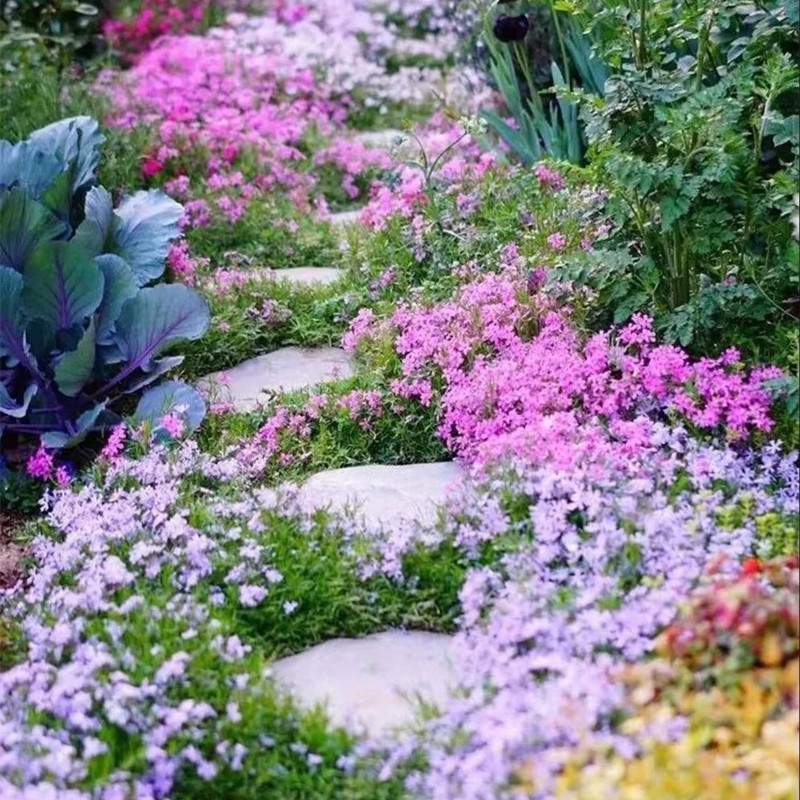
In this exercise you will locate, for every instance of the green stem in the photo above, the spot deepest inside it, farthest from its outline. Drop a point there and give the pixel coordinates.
(769, 299)
(521, 55)
(561, 45)
(758, 141)
(641, 50)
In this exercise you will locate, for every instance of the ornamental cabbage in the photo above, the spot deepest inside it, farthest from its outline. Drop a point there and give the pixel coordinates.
(83, 320)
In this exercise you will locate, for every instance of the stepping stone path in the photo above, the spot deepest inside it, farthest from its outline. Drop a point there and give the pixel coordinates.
(247, 385)
(371, 683)
(384, 494)
(374, 684)
(305, 276)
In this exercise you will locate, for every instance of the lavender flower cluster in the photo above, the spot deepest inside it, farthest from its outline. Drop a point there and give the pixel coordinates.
(584, 572)
(571, 574)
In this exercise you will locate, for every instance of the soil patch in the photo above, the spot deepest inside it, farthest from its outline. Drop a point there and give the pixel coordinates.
(11, 552)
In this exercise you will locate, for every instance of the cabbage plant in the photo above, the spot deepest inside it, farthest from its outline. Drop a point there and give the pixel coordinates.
(83, 319)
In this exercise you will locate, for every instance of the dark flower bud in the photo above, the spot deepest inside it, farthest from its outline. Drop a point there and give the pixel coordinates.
(511, 29)
(536, 279)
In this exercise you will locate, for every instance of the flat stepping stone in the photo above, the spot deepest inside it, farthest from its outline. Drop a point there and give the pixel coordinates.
(247, 385)
(371, 684)
(306, 276)
(345, 218)
(384, 494)
(384, 139)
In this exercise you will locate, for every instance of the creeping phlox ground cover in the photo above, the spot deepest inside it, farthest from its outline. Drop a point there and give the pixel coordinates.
(619, 570)
(257, 107)
(161, 588)
(149, 615)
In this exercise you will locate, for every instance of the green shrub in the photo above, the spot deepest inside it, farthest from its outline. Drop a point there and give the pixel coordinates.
(697, 140)
(56, 31)
(543, 106)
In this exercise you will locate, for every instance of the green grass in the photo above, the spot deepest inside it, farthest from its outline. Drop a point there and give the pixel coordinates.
(336, 440)
(38, 94)
(256, 235)
(302, 315)
(332, 600)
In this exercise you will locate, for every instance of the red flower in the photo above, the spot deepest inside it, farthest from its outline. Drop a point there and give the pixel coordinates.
(151, 166)
(752, 566)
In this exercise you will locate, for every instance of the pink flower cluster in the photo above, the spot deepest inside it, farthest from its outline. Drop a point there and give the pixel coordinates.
(514, 378)
(183, 263)
(466, 162)
(549, 177)
(114, 447)
(152, 20)
(284, 435)
(42, 466)
(209, 105)
(250, 91)
(354, 160)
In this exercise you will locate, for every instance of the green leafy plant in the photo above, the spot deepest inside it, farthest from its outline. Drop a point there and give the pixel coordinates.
(697, 139)
(61, 30)
(546, 117)
(81, 322)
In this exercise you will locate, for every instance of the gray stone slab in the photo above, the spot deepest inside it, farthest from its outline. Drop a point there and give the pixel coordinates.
(248, 384)
(384, 494)
(306, 276)
(343, 218)
(373, 684)
(386, 139)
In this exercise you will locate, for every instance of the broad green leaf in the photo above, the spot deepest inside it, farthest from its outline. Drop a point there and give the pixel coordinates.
(11, 319)
(10, 407)
(528, 151)
(119, 286)
(783, 129)
(629, 306)
(85, 424)
(95, 229)
(58, 197)
(41, 340)
(155, 319)
(75, 142)
(672, 209)
(27, 166)
(62, 285)
(145, 224)
(24, 226)
(172, 396)
(74, 369)
(158, 368)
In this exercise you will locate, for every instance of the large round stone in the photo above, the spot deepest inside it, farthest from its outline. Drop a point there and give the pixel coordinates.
(384, 494)
(249, 384)
(373, 684)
